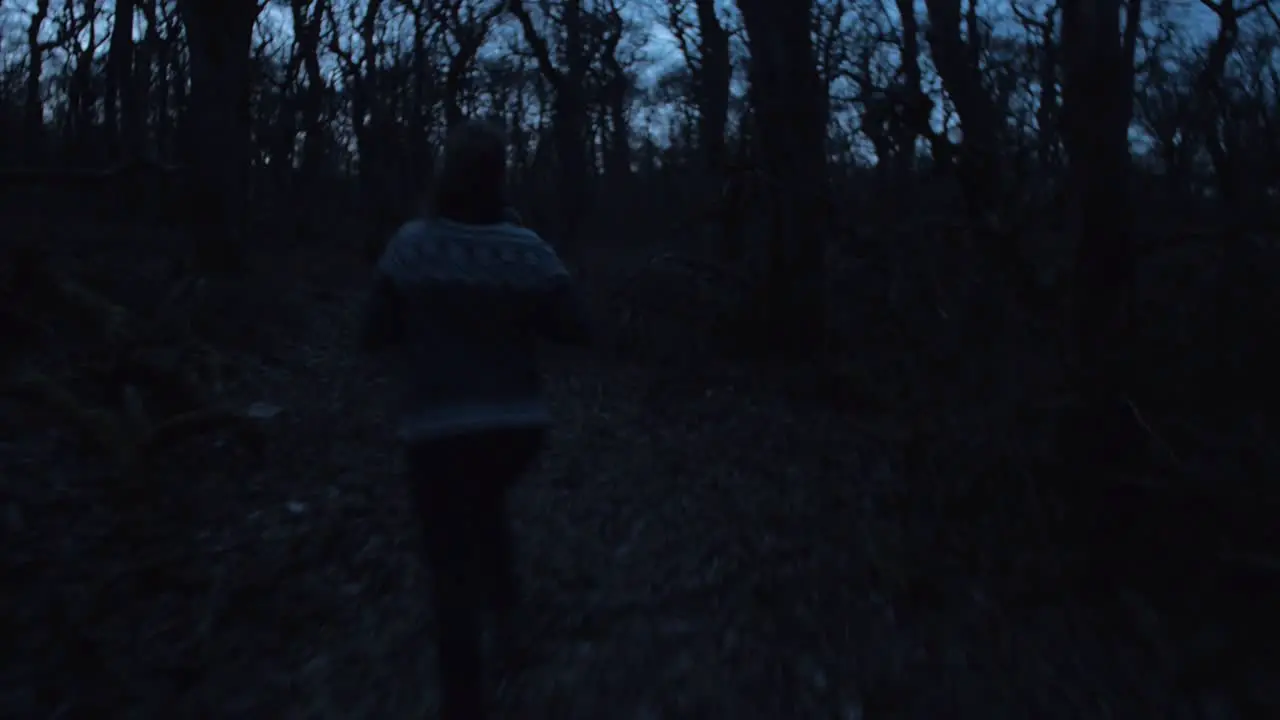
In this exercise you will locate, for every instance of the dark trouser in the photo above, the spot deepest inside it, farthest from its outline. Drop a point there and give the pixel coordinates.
(460, 488)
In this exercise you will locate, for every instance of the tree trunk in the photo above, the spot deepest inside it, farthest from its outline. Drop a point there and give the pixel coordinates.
(119, 80)
(33, 117)
(569, 114)
(1097, 108)
(907, 125)
(312, 96)
(712, 77)
(792, 139)
(957, 57)
(1220, 132)
(219, 33)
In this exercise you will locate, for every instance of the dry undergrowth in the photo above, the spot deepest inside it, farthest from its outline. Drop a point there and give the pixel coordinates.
(741, 541)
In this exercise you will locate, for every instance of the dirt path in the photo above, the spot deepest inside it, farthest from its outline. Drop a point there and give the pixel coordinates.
(707, 554)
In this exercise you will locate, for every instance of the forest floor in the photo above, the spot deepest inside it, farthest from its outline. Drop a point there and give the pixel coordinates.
(699, 550)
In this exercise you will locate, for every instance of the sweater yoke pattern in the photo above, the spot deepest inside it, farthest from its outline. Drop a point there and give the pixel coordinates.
(438, 254)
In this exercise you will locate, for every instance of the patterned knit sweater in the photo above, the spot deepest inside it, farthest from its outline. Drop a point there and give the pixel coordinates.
(467, 304)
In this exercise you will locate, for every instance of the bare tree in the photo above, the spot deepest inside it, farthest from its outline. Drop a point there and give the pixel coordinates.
(79, 28)
(34, 105)
(1220, 127)
(615, 86)
(792, 136)
(957, 41)
(219, 33)
(710, 66)
(1045, 28)
(705, 46)
(469, 28)
(368, 113)
(119, 85)
(569, 108)
(308, 19)
(1097, 108)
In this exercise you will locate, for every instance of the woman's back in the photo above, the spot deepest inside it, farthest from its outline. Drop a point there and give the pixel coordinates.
(473, 300)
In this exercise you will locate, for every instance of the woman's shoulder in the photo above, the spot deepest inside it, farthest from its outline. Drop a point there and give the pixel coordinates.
(437, 250)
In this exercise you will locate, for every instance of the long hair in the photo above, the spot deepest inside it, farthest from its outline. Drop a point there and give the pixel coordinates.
(471, 178)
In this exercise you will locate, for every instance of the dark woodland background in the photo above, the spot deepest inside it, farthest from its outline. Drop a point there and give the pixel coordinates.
(935, 374)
